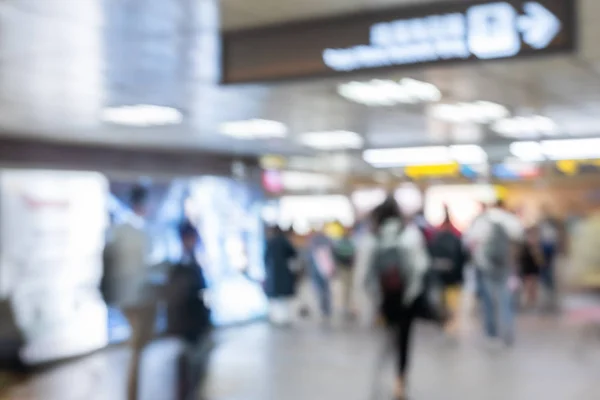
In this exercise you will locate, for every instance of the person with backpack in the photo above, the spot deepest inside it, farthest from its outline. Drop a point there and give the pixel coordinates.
(125, 282)
(280, 282)
(344, 253)
(494, 239)
(448, 258)
(397, 263)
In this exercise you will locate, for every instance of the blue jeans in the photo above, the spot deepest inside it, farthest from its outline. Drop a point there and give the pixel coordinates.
(324, 293)
(497, 305)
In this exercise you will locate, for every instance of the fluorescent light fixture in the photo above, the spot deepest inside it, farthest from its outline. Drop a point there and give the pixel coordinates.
(142, 115)
(254, 129)
(568, 149)
(397, 157)
(527, 151)
(433, 155)
(525, 127)
(468, 154)
(578, 149)
(481, 112)
(332, 140)
(381, 93)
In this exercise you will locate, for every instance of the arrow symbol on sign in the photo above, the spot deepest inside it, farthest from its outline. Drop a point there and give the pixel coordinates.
(539, 26)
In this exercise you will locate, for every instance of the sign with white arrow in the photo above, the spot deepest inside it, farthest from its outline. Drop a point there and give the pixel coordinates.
(426, 34)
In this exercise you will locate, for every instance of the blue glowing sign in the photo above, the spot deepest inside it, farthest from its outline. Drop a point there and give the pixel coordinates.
(483, 31)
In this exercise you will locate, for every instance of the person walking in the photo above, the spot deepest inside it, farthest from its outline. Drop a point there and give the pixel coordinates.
(551, 235)
(321, 270)
(188, 314)
(280, 283)
(397, 261)
(493, 240)
(448, 260)
(344, 252)
(531, 260)
(125, 282)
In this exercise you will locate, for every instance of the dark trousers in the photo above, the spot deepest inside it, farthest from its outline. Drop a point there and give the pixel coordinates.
(399, 319)
(547, 272)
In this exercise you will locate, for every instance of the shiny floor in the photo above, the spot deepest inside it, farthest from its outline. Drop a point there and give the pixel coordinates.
(311, 361)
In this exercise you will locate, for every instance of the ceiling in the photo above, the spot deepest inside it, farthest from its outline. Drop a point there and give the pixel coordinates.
(238, 14)
(63, 61)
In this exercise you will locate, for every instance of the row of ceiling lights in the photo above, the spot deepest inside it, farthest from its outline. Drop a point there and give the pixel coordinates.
(373, 93)
(382, 93)
(529, 151)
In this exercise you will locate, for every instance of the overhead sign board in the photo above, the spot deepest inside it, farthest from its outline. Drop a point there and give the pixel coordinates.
(408, 36)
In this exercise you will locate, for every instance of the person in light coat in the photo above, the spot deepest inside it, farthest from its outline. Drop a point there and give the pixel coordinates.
(398, 310)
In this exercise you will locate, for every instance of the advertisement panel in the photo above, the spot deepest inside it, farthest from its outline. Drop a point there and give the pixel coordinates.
(52, 226)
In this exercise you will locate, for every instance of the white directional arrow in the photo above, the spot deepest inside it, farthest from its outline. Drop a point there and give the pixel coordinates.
(539, 26)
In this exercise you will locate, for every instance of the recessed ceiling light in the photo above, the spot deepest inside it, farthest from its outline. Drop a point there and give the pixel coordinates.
(525, 127)
(380, 92)
(332, 140)
(142, 115)
(254, 129)
(481, 112)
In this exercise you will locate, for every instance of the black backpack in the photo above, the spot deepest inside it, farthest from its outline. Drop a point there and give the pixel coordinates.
(447, 256)
(391, 265)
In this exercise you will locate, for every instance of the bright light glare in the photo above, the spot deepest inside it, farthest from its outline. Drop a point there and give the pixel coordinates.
(254, 129)
(525, 127)
(302, 212)
(380, 93)
(468, 154)
(399, 157)
(580, 149)
(527, 151)
(365, 200)
(301, 181)
(333, 140)
(571, 149)
(396, 157)
(142, 115)
(481, 112)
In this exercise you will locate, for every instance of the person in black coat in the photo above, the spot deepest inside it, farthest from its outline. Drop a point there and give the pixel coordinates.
(280, 280)
(187, 313)
(531, 259)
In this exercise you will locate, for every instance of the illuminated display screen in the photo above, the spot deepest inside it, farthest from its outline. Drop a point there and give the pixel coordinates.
(463, 202)
(52, 236)
(432, 171)
(227, 214)
(516, 171)
(403, 36)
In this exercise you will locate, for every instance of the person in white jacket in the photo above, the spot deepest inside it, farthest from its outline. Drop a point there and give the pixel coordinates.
(125, 283)
(397, 308)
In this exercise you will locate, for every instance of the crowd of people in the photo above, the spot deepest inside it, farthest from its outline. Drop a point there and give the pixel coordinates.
(409, 269)
(405, 268)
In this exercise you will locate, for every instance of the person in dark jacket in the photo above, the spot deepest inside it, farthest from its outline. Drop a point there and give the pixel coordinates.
(188, 315)
(280, 282)
(531, 260)
(448, 258)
